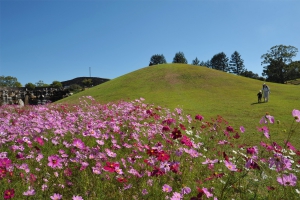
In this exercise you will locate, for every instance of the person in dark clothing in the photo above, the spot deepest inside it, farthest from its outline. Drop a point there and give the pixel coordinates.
(259, 96)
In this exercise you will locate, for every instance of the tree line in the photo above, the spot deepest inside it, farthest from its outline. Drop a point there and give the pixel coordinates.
(278, 64)
(9, 81)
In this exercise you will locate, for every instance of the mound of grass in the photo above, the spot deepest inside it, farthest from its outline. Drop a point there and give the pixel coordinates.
(200, 90)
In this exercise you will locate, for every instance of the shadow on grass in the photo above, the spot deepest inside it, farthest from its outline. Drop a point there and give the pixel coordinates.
(258, 103)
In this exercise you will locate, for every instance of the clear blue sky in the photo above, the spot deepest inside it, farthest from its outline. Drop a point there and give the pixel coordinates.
(60, 40)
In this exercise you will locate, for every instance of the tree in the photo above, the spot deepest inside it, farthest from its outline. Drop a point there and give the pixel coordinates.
(236, 63)
(9, 81)
(250, 74)
(29, 86)
(205, 64)
(87, 82)
(179, 58)
(294, 70)
(41, 83)
(220, 62)
(196, 61)
(157, 59)
(277, 62)
(75, 87)
(56, 84)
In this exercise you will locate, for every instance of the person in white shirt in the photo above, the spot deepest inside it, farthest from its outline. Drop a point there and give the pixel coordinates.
(266, 92)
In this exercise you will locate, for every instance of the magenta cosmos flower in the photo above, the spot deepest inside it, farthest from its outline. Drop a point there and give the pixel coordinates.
(296, 114)
(110, 166)
(287, 180)
(5, 162)
(55, 161)
(199, 117)
(8, 194)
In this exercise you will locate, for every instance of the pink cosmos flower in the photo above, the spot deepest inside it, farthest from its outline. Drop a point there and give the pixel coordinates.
(207, 192)
(209, 161)
(186, 190)
(176, 196)
(78, 143)
(56, 196)
(110, 153)
(280, 162)
(193, 153)
(29, 192)
(166, 188)
(144, 191)
(55, 161)
(264, 119)
(265, 130)
(223, 142)
(296, 115)
(242, 129)
(230, 165)
(287, 180)
(77, 197)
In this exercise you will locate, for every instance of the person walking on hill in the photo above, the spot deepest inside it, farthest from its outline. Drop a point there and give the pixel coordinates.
(266, 92)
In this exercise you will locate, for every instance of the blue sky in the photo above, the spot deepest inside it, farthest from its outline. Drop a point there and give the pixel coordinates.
(60, 40)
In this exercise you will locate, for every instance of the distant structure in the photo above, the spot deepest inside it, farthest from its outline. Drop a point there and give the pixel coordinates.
(41, 95)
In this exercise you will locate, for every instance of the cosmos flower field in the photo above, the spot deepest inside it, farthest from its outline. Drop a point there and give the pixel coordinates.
(133, 150)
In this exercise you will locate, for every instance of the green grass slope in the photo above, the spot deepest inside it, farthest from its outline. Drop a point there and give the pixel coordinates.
(199, 90)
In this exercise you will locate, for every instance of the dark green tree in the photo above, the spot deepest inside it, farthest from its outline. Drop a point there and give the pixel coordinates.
(75, 87)
(87, 82)
(277, 63)
(9, 81)
(294, 70)
(196, 61)
(180, 58)
(157, 59)
(205, 64)
(250, 74)
(236, 63)
(29, 86)
(220, 62)
(56, 84)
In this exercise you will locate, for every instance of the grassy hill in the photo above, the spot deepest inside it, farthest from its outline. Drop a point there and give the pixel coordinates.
(200, 90)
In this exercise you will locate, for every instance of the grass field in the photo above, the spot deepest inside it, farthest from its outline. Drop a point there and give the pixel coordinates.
(93, 146)
(200, 90)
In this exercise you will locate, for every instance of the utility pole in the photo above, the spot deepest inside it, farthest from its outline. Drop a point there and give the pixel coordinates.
(90, 71)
